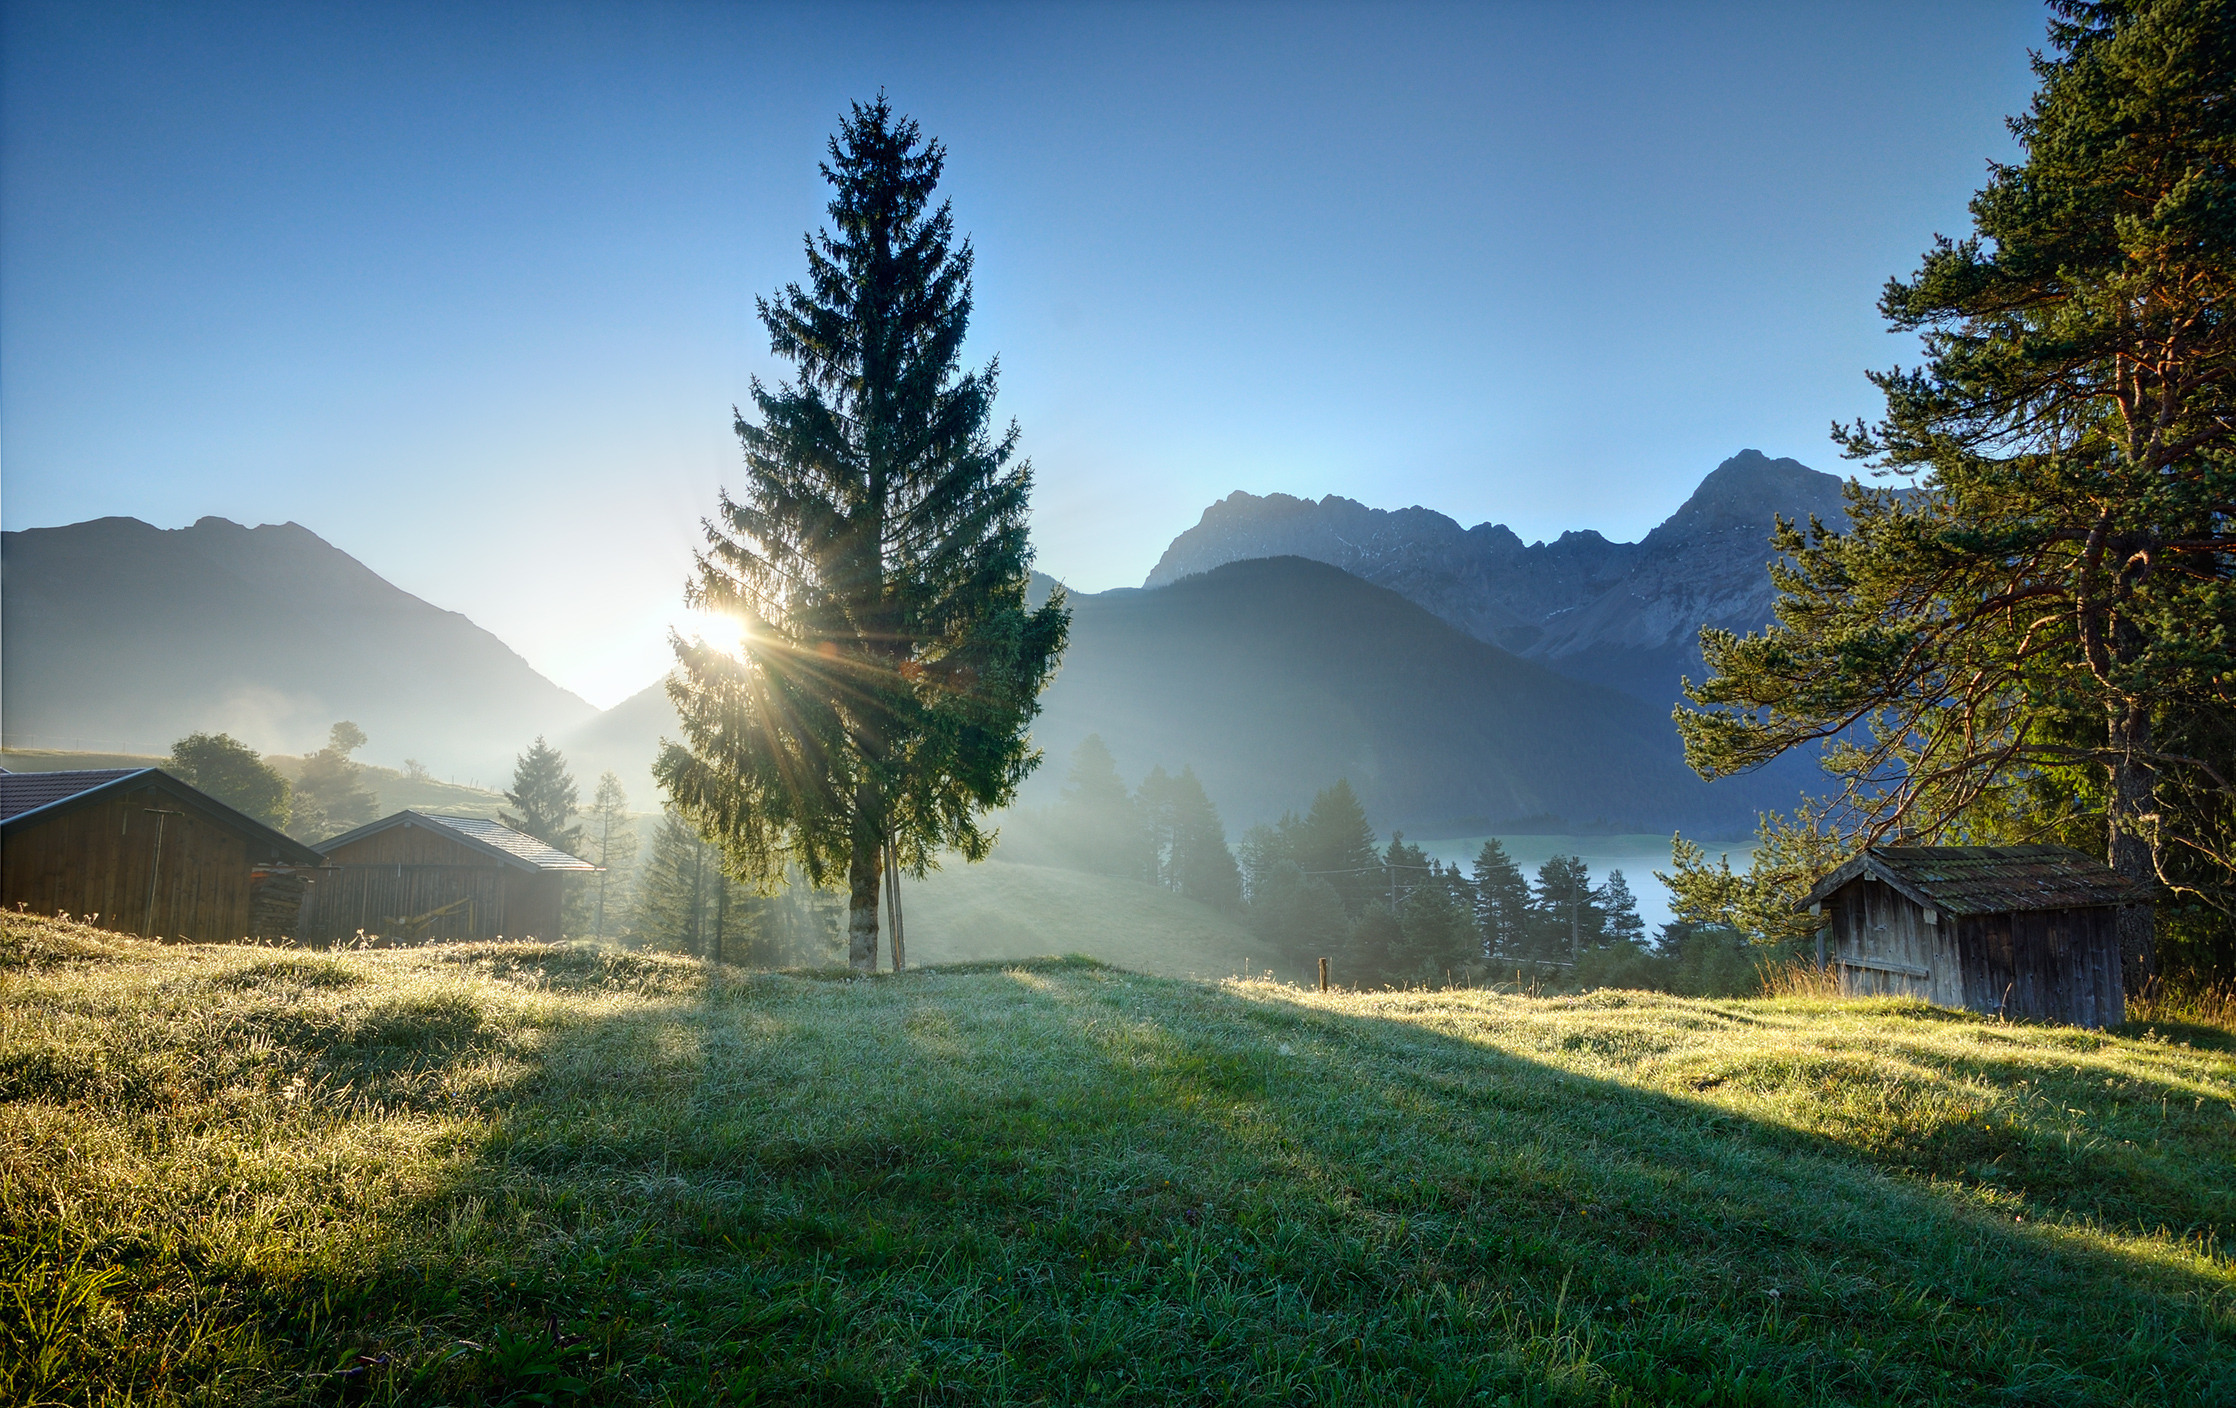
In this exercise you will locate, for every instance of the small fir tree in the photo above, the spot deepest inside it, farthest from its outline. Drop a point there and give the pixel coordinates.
(1565, 916)
(543, 798)
(1096, 823)
(609, 834)
(1618, 908)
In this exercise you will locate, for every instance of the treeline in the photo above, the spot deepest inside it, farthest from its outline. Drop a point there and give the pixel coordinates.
(1323, 885)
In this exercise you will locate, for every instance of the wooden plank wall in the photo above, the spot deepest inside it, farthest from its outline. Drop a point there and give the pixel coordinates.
(448, 903)
(1875, 924)
(96, 860)
(2059, 965)
(387, 879)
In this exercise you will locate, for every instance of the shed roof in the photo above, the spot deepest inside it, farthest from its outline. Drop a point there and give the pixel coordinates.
(1986, 879)
(492, 838)
(29, 798)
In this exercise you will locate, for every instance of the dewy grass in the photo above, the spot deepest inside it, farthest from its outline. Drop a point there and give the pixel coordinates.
(540, 1174)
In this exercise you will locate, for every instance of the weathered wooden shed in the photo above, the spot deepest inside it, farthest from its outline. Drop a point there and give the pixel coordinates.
(138, 851)
(2025, 931)
(417, 877)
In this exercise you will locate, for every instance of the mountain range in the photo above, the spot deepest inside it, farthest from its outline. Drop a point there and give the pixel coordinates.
(1623, 614)
(1458, 677)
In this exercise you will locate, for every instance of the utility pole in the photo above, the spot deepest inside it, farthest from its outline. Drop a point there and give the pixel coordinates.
(155, 867)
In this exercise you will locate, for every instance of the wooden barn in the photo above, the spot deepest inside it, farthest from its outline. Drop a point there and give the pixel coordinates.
(420, 878)
(2024, 931)
(138, 851)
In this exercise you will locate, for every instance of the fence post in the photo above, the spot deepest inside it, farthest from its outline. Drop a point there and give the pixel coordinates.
(1323, 975)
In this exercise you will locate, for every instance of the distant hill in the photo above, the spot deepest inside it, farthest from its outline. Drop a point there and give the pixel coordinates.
(121, 636)
(1622, 614)
(624, 740)
(1275, 676)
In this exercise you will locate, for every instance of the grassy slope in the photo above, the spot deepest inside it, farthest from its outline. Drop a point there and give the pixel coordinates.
(457, 1174)
(1004, 910)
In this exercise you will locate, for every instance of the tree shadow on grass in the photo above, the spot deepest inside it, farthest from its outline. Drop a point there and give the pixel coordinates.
(1055, 1182)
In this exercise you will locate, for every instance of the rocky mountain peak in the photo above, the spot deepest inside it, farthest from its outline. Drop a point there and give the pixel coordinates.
(1747, 491)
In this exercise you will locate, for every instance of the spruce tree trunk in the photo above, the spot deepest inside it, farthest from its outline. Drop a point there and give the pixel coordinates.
(862, 876)
(2130, 799)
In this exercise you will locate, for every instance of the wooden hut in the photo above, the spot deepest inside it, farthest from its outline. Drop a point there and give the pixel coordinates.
(416, 877)
(138, 851)
(2024, 931)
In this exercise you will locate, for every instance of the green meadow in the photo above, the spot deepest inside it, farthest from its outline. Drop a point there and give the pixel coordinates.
(546, 1174)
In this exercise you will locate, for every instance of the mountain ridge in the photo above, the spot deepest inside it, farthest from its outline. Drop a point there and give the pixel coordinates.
(122, 633)
(1627, 611)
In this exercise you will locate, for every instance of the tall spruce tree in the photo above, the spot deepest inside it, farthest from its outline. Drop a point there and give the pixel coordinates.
(876, 562)
(2038, 639)
(543, 797)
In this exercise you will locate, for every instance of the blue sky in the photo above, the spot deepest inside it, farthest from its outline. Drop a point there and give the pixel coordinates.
(468, 289)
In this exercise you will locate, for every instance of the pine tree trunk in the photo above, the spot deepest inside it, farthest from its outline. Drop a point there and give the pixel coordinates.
(2130, 799)
(862, 878)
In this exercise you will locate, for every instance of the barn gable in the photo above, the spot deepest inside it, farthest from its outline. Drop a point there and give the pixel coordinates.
(139, 851)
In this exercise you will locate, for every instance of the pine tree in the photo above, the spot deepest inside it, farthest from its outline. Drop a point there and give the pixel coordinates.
(1404, 869)
(1501, 902)
(1335, 843)
(1096, 824)
(1618, 907)
(1440, 937)
(543, 794)
(1201, 866)
(1565, 918)
(687, 904)
(674, 891)
(610, 838)
(2034, 640)
(1302, 916)
(1263, 847)
(877, 563)
(234, 773)
(328, 797)
(1373, 953)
